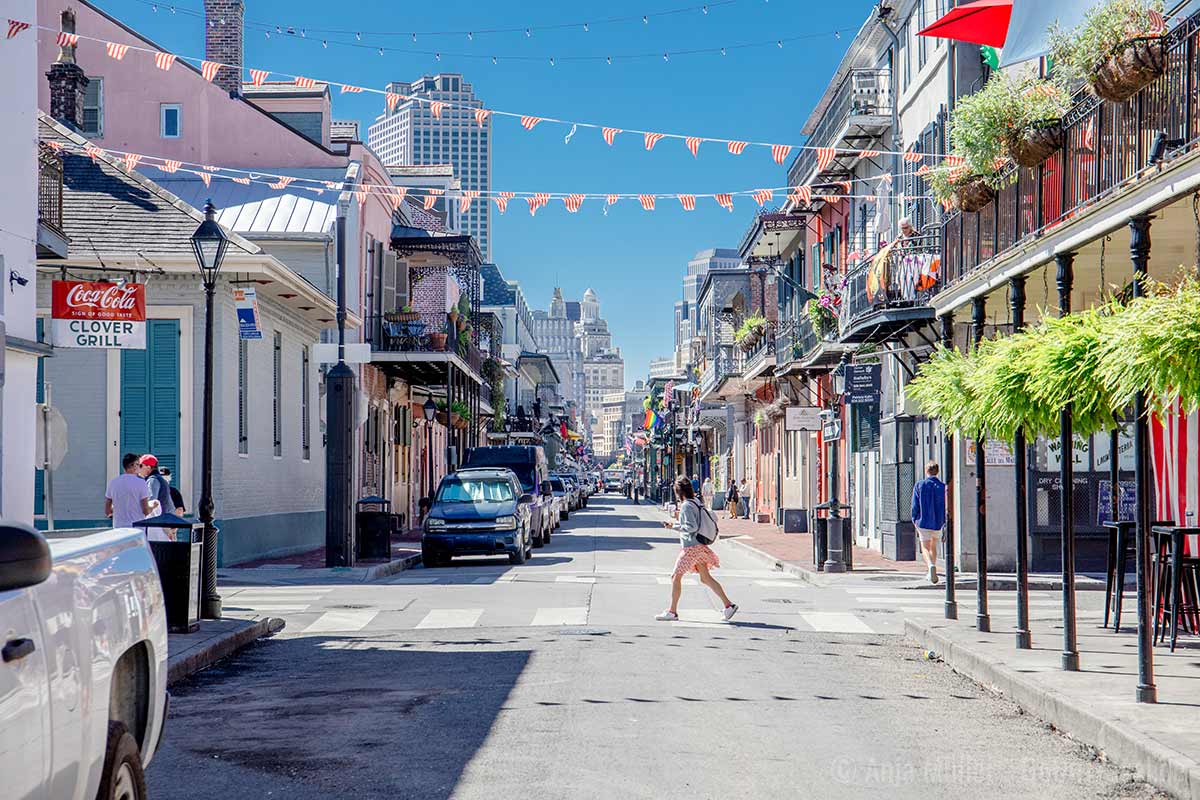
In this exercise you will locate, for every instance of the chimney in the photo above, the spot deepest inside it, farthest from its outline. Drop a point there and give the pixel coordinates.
(67, 81)
(223, 41)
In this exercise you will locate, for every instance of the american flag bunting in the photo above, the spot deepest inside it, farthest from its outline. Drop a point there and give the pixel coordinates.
(282, 182)
(117, 51)
(209, 168)
(331, 184)
(573, 202)
(611, 199)
(209, 69)
(779, 152)
(466, 198)
(845, 186)
(164, 61)
(912, 157)
(957, 174)
(923, 171)
(804, 193)
(825, 156)
(647, 201)
(55, 146)
(396, 196)
(67, 39)
(688, 201)
(955, 161)
(93, 152)
(481, 116)
(528, 122)
(392, 100)
(736, 148)
(609, 133)
(15, 26)
(652, 139)
(170, 166)
(243, 181)
(885, 178)
(304, 83)
(348, 89)
(502, 200)
(1158, 23)
(258, 76)
(763, 196)
(725, 201)
(204, 176)
(131, 161)
(436, 108)
(693, 145)
(868, 153)
(431, 196)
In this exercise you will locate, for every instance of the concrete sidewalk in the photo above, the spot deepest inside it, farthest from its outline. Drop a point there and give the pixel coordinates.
(308, 568)
(1096, 705)
(188, 653)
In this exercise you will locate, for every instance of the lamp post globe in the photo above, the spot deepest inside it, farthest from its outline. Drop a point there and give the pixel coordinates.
(209, 244)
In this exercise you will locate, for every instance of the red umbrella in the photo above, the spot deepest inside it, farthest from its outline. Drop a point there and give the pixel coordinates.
(982, 22)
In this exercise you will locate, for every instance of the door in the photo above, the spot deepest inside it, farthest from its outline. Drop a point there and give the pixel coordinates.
(150, 395)
(39, 475)
(24, 704)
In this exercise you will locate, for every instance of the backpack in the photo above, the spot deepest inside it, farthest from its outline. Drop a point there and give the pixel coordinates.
(708, 533)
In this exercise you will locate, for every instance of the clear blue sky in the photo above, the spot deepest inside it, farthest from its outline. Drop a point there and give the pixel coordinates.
(632, 258)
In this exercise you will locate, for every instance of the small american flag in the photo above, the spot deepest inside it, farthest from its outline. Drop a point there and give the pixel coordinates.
(804, 193)
(868, 153)
(243, 181)
(392, 100)
(282, 182)
(361, 196)
(912, 157)
(305, 83)
(538, 200)
(528, 122)
(15, 26)
(436, 107)
(131, 161)
(348, 89)
(1158, 24)
(466, 198)
(825, 156)
(647, 201)
(170, 166)
(693, 145)
(923, 171)
(688, 201)
(609, 133)
(725, 201)
(209, 70)
(651, 139)
(258, 76)
(481, 116)
(573, 202)
(763, 196)
(396, 195)
(67, 39)
(957, 174)
(780, 151)
(502, 200)
(955, 161)
(118, 51)
(736, 148)
(164, 61)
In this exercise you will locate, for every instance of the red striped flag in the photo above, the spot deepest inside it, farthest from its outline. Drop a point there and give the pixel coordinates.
(204, 176)
(258, 76)
(825, 156)
(67, 39)
(502, 200)
(209, 69)
(955, 161)
(780, 151)
(651, 139)
(528, 122)
(736, 148)
(763, 196)
(55, 146)
(538, 200)
(281, 182)
(466, 198)
(868, 153)
(845, 186)
(436, 108)
(1158, 24)
(804, 193)
(361, 196)
(170, 166)
(117, 51)
(693, 145)
(922, 171)
(304, 83)
(348, 89)
(573, 202)
(93, 152)
(611, 199)
(481, 116)
(15, 26)
(164, 61)
(688, 201)
(396, 196)
(431, 196)
(609, 133)
(725, 201)
(243, 181)
(998, 162)
(957, 174)
(647, 201)
(392, 100)
(131, 161)
(912, 156)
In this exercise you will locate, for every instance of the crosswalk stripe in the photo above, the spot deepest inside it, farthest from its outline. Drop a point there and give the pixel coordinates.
(235, 606)
(700, 615)
(688, 580)
(575, 579)
(330, 621)
(788, 584)
(835, 622)
(451, 618)
(560, 616)
(414, 580)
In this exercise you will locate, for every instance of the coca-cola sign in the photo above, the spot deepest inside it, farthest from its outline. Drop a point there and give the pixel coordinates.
(97, 314)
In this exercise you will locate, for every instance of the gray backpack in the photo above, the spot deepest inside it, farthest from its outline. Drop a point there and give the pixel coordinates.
(708, 533)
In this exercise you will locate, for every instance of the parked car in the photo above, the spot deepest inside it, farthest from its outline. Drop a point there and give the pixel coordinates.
(83, 680)
(481, 511)
(528, 462)
(574, 494)
(563, 493)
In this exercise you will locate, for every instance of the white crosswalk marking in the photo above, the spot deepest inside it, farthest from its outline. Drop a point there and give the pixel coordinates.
(835, 622)
(560, 616)
(451, 618)
(688, 580)
(341, 621)
(788, 584)
(235, 606)
(700, 615)
(575, 579)
(415, 580)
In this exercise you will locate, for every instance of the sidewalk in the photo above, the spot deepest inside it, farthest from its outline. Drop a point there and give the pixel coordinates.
(188, 653)
(1096, 705)
(310, 566)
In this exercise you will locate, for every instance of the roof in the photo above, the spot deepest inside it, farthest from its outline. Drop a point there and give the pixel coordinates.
(715, 252)
(257, 209)
(282, 89)
(421, 170)
(109, 211)
(496, 290)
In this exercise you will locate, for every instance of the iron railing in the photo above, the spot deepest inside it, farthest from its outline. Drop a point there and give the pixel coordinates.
(1105, 149)
(908, 276)
(796, 340)
(394, 336)
(50, 188)
(723, 362)
(862, 93)
(763, 350)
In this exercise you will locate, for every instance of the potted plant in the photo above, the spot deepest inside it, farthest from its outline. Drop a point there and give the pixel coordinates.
(462, 313)
(1037, 129)
(962, 188)
(822, 312)
(1119, 48)
(437, 341)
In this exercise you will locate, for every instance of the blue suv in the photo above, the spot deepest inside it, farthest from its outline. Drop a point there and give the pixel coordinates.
(478, 512)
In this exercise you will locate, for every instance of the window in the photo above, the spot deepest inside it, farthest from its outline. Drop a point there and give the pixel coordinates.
(243, 399)
(304, 407)
(93, 108)
(276, 400)
(170, 121)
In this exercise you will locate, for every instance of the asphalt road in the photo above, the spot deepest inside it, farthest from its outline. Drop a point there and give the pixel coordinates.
(552, 680)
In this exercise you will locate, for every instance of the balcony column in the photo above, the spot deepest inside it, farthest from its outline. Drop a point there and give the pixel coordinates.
(1020, 462)
(948, 474)
(983, 621)
(1064, 279)
(1147, 692)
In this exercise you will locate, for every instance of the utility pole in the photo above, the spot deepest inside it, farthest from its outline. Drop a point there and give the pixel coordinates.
(339, 415)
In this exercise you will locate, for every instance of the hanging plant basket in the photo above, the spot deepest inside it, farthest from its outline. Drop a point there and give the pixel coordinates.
(972, 194)
(1036, 143)
(1130, 68)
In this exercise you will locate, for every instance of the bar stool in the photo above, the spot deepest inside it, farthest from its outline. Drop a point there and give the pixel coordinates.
(1121, 542)
(1177, 583)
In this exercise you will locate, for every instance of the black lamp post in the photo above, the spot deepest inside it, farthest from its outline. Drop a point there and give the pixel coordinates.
(209, 243)
(430, 410)
(835, 556)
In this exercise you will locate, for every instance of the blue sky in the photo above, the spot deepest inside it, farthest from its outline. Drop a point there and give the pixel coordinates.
(633, 259)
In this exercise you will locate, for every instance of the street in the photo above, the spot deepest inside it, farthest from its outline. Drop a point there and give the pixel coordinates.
(552, 679)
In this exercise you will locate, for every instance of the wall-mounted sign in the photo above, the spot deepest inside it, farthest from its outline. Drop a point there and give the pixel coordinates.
(831, 429)
(802, 418)
(862, 384)
(98, 315)
(246, 301)
(996, 453)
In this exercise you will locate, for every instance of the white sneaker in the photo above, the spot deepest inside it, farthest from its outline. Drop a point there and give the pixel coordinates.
(668, 616)
(933, 578)
(730, 610)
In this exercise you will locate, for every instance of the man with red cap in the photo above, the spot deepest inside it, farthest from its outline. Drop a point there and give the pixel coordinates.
(160, 492)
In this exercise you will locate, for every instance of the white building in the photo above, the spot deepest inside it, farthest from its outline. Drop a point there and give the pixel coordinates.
(663, 368)
(685, 307)
(410, 134)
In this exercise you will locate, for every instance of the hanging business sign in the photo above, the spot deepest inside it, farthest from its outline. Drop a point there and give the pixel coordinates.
(98, 315)
(862, 384)
(246, 302)
(802, 418)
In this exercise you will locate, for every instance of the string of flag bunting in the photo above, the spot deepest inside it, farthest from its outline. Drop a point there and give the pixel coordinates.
(208, 70)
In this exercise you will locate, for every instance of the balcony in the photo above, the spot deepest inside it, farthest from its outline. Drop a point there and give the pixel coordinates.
(423, 348)
(51, 241)
(760, 359)
(724, 362)
(799, 348)
(889, 293)
(857, 114)
(1104, 154)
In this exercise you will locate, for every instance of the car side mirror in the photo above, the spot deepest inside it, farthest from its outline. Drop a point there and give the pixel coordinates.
(546, 489)
(24, 556)
(524, 499)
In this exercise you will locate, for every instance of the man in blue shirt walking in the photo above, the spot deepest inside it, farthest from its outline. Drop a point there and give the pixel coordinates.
(929, 515)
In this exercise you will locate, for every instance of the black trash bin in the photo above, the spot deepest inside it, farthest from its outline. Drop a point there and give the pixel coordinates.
(373, 528)
(820, 542)
(178, 564)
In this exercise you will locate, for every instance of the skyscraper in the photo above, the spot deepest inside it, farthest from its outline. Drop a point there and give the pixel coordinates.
(410, 134)
(685, 309)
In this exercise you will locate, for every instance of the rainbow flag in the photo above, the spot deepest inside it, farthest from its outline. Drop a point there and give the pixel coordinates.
(651, 419)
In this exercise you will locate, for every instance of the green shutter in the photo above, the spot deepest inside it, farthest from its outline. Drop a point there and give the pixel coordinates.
(150, 395)
(39, 506)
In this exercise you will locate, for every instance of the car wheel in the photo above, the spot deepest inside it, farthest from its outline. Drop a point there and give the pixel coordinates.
(433, 559)
(546, 536)
(122, 778)
(539, 540)
(566, 515)
(521, 554)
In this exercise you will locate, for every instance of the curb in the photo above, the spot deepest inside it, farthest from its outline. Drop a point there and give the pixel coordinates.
(223, 647)
(392, 567)
(781, 566)
(1156, 763)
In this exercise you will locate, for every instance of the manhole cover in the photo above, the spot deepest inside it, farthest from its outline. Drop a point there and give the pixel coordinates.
(878, 610)
(892, 578)
(584, 632)
(350, 608)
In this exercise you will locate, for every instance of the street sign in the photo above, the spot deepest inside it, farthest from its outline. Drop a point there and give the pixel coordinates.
(356, 353)
(831, 429)
(246, 302)
(862, 384)
(783, 222)
(802, 418)
(98, 315)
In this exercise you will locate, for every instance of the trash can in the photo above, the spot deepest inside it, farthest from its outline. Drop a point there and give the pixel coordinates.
(373, 528)
(178, 564)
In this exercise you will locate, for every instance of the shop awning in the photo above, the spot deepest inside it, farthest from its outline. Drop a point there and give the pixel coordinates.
(981, 22)
(1031, 20)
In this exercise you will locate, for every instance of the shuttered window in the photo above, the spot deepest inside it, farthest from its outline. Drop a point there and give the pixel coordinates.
(304, 408)
(243, 398)
(276, 397)
(150, 395)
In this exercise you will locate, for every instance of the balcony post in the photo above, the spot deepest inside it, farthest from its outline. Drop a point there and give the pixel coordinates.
(948, 472)
(1065, 278)
(1020, 461)
(983, 621)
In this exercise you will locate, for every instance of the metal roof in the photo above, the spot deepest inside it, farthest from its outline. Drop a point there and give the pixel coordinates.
(258, 209)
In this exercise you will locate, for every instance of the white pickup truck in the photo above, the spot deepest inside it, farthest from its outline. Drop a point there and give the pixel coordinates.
(83, 675)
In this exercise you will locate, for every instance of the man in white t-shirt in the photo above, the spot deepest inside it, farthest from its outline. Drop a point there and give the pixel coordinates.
(127, 499)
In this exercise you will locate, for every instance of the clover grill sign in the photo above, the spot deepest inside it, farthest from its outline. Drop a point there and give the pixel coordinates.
(98, 315)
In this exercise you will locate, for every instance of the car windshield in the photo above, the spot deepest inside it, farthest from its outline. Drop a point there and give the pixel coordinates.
(475, 490)
(557, 485)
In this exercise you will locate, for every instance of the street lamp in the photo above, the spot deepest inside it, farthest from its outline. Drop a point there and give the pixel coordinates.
(835, 560)
(430, 410)
(209, 243)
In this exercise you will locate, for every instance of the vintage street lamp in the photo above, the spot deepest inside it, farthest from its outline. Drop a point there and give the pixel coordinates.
(835, 559)
(430, 410)
(209, 243)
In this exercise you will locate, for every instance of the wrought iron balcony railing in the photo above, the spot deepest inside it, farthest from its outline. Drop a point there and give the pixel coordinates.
(905, 275)
(723, 362)
(387, 334)
(763, 351)
(50, 188)
(863, 96)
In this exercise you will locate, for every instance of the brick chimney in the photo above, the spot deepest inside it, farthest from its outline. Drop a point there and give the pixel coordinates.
(67, 81)
(223, 41)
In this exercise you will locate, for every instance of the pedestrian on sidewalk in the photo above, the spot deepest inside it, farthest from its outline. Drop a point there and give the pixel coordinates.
(176, 497)
(637, 490)
(160, 494)
(695, 485)
(929, 515)
(695, 524)
(731, 503)
(127, 498)
(707, 492)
